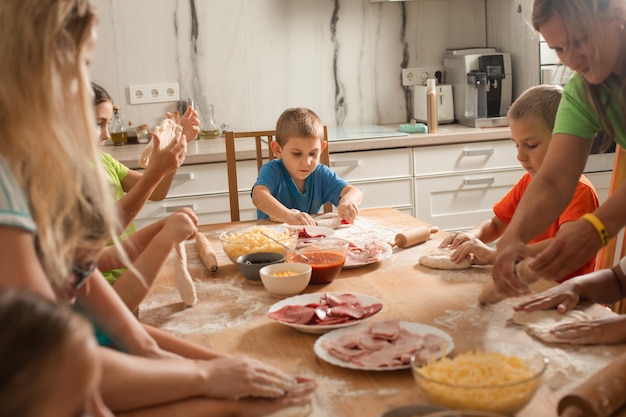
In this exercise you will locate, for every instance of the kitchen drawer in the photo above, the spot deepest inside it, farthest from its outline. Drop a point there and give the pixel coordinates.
(372, 165)
(464, 157)
(209, 208)
(210, 178)
(459, 202)
(391, 193)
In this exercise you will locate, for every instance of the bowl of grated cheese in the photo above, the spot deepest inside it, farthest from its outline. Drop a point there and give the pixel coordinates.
(494, 375)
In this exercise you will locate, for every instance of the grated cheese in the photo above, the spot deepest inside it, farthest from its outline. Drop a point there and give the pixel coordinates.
(480, 381)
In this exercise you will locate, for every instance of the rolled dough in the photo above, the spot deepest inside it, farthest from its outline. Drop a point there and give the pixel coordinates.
(440, 259)
(540, 322)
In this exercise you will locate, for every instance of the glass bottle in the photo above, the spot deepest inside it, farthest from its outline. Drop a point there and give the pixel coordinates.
(117, 129)
(210, 129)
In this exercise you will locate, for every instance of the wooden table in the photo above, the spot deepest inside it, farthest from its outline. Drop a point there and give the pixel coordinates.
(231, 317)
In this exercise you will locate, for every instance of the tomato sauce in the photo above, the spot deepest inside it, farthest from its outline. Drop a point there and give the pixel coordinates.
(325, 266)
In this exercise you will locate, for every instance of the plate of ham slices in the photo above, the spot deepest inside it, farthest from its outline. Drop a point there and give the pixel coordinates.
(306, 232)
(319, 313)
(367, 252)
(383, 345)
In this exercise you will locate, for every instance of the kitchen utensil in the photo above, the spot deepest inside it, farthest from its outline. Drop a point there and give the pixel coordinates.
(289, 250)
(599, 396)
(250, 239)
(414, 236)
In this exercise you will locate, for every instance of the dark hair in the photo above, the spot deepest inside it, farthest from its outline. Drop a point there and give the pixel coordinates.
(100, 94)
(34, 331)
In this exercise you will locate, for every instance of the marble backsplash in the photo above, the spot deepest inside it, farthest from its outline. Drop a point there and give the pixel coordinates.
(252, 59)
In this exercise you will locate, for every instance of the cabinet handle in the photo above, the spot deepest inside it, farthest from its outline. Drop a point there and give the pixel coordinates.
(479, 181)
(184, 176)
(346, 163)
(172, 209)
(478, 152)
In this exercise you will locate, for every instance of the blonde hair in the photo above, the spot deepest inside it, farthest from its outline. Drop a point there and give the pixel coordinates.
(579, 16)
(49, 136)
(298, 122)
(537, 104)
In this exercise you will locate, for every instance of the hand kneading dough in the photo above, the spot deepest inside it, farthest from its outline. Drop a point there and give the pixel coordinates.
(440, 259)
(166, 131)
(540, 322)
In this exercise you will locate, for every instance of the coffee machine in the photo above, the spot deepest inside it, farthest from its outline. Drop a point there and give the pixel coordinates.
(482, 85)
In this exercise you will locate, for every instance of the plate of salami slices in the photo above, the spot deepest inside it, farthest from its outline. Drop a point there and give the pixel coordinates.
(383, 345)
(319, 313)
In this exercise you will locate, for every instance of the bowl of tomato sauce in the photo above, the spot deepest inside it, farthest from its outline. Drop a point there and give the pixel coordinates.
(326, 256)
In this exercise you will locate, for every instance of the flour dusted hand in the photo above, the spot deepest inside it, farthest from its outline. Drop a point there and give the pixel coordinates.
(184, 282)
(166, 131)
(440, 259)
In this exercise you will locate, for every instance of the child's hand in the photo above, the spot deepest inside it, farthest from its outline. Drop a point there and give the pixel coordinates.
(347, 210)
(189, 121)
(181, 225)
(298, 217)
(170, 157)
(483, 254)
(455, 239)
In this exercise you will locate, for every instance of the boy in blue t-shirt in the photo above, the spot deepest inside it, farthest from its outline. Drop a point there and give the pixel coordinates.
(295, 185)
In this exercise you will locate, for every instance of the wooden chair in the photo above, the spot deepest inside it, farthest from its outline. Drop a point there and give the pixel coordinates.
(262, 139)
(617, 245)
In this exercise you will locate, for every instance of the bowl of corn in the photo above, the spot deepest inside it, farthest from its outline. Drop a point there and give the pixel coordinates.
(286, 278)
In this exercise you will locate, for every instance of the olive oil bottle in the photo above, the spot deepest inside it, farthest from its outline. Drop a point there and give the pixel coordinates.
(117, 129)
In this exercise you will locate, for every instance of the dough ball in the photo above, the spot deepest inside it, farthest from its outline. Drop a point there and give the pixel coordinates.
(540, 322)
(440, 259)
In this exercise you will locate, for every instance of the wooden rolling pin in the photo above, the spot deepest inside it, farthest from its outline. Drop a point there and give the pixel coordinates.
(414, 236)
(601, 395)
(489, 295)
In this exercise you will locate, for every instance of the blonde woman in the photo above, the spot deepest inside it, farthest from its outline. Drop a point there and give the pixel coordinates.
(589, 36)
(56, 213)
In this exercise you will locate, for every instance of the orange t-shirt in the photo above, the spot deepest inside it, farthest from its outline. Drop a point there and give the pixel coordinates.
(585, 200)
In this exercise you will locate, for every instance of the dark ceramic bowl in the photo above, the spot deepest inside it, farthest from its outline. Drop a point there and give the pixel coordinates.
(249, 265)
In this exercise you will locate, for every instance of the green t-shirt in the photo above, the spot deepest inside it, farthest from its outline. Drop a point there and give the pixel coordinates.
(577, 117)
(116, 172)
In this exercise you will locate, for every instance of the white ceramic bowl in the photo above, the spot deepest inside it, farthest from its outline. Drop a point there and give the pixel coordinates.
(286, 278)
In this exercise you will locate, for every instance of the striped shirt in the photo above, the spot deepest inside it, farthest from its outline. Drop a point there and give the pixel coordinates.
(14, 207)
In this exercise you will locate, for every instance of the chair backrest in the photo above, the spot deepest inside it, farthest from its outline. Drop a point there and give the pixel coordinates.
(262, 139)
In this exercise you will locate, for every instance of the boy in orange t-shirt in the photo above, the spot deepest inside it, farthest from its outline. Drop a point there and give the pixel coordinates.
(531, 119)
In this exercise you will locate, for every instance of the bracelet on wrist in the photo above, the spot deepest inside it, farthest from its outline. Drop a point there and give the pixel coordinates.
(599, 226)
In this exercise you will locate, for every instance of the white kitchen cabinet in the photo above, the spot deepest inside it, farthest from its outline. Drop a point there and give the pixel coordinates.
(384, 176)
(204, 188)
(457, 185)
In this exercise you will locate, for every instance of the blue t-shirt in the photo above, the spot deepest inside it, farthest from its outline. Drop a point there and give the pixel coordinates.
(322, 186)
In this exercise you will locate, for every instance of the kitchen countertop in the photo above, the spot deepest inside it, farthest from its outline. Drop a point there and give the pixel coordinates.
(213, 150)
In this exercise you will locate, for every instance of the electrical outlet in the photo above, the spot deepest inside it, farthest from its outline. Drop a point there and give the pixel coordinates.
(153, 93)
(416, 76)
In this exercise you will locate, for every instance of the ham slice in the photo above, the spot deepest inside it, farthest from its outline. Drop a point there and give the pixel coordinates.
(383, 344)
(332, 309)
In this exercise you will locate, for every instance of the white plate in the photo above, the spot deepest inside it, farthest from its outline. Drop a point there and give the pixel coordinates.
(314, 231)
(315, 297)
(383, 255)
(416, 328)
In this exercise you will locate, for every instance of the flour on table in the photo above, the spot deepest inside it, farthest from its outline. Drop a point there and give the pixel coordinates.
(440, 259)
(540, 322)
